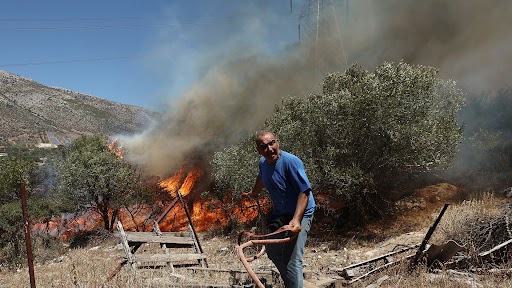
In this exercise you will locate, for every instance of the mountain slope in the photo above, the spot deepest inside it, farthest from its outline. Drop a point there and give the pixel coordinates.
(29, 109)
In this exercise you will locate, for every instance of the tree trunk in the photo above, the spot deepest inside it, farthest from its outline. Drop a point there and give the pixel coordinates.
(115, 212)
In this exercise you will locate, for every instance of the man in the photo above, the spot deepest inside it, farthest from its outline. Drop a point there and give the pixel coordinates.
(284, 177)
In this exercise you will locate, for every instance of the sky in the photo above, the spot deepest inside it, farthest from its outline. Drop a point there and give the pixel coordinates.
(143, 53)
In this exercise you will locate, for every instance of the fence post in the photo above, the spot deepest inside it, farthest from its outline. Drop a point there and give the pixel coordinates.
(28, 245)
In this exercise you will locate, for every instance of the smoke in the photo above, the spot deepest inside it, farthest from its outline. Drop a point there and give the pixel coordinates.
(467, 40)
(239, 81)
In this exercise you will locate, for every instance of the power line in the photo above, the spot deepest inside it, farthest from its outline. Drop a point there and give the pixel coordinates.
(71, 61)
(81, 19)
(99, 27)
(73, 19)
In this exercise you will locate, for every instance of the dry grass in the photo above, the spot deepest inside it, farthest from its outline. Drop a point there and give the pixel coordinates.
(466, 222)
(478, 224)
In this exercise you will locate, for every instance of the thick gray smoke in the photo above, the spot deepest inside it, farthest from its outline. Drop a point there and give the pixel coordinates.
(231, 100)
(467, 40)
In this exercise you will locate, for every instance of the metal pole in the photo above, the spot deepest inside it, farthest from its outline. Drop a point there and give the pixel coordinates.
(28, 244)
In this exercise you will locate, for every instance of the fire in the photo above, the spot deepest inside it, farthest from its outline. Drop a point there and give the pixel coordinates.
(67, 225)
(204, 213)
(204, 217)
(189, 181)
(116, 148)
(181, 183)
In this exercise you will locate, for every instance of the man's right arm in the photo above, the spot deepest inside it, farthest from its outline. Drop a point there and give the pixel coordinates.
(256, 190)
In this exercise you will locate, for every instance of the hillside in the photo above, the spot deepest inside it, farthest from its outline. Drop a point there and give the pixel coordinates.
(30, 110)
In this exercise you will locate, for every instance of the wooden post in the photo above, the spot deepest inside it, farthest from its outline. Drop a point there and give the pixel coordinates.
(194, 234)
(156, 228)
(416, 257)
(124, 241)
(26, 224)
(164, 213)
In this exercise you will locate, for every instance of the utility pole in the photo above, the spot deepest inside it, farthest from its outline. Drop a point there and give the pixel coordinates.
(317, 21)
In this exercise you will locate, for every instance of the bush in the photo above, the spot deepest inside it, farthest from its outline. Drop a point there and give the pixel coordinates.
(363, 134)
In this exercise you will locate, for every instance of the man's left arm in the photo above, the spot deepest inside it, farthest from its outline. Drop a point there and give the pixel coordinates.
(302, 203)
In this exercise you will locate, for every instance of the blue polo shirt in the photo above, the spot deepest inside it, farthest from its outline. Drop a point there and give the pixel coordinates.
(285, 180)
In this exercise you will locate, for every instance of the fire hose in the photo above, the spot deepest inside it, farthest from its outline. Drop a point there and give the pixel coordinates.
(261, 240)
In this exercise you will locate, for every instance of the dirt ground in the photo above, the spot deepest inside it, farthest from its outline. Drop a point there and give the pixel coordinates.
(325, 253)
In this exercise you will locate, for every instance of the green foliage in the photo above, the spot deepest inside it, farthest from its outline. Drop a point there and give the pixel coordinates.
(245, 166)
(11, 233)
(363, 133)
(13, 171)
(92, 176)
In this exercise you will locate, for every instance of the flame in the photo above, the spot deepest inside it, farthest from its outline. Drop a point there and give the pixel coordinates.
(174, 183)
(205, 214)
(67, 225)
(116, 148)
(205, 218)
(190, 181)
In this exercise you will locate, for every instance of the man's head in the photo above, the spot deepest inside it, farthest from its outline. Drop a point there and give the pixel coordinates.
(268, 146)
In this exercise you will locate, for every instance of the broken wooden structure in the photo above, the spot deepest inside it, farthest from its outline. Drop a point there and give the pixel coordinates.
(132, 241)
(167, 241)
(434, 256)
(359, 271)
(421, 250)
(497, 253)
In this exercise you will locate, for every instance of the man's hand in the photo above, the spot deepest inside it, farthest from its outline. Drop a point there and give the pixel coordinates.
(295, 226)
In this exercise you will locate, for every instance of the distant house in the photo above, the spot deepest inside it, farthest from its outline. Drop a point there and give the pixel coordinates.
(3, 152)
(46, 145)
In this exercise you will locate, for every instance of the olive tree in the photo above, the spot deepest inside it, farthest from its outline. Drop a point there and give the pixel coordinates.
(362, 133)
(93, 177)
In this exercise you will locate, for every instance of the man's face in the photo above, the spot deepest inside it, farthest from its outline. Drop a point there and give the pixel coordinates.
(268, 147)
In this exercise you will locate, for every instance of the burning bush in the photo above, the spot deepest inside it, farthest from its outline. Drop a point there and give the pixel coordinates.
(92, 177)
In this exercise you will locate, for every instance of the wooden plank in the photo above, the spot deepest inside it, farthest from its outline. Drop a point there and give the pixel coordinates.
(184, 234)
(197, 285)
(153, 238)
(430, 231)
(203, 262)
(382, 257)
(164, 247)
(495, 248)
(168, 257)
(380, 268)
(192, 230)
(124, 241)
(201, 269)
